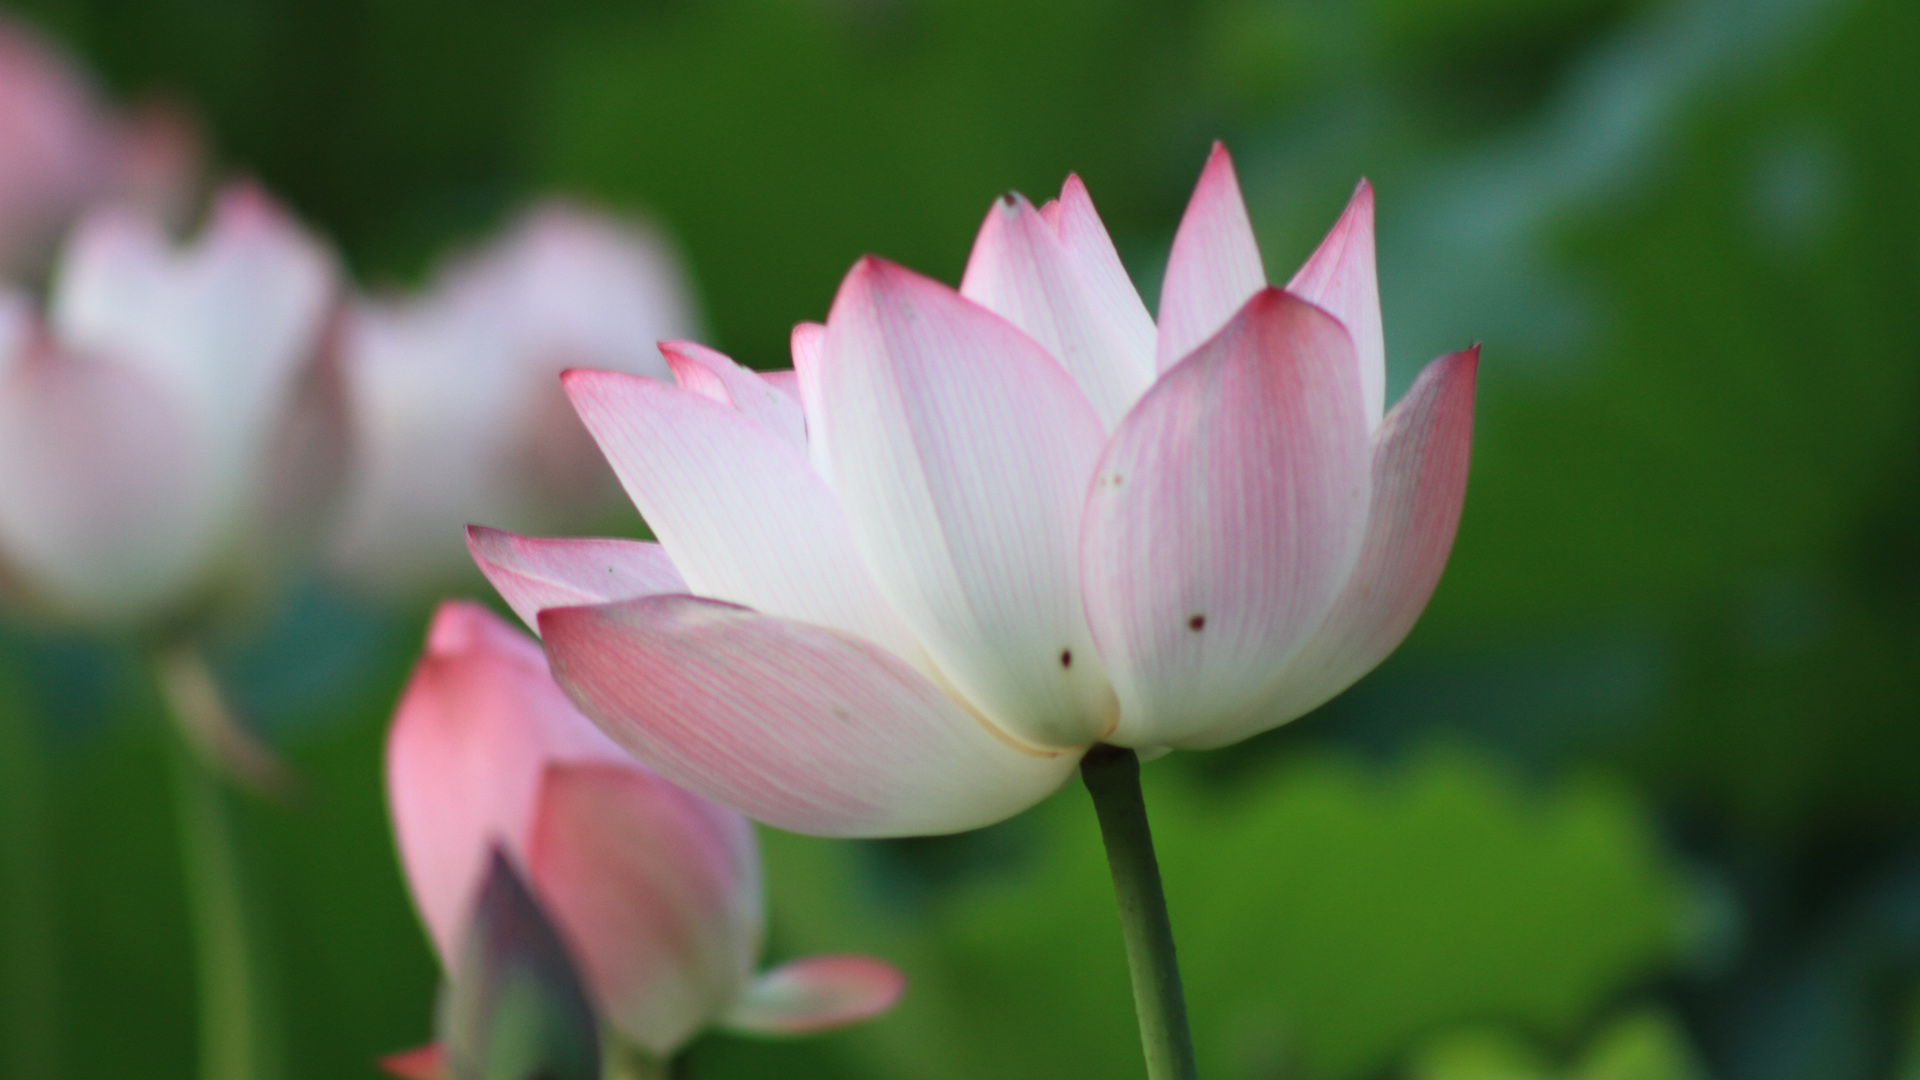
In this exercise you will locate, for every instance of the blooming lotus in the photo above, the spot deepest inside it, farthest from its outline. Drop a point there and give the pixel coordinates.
(655, 890)
(171, 428)
(458, 415)
(62, 148)
(975, 532)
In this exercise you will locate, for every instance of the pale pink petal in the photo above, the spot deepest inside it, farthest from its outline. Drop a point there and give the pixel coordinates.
(532, 573)
(736, 507)
(803, 728)
(225, 323)
(962, 452)
(1065, 299)
(478, 722)
(656, 891)
(1340, 279)
(1225, 516)
(808, 340)
(715, 376)
(785, 381)
(104, 497)
(1214, 266)
(427, 1062)
(817, 993)
(1419, 481)
(583, 288)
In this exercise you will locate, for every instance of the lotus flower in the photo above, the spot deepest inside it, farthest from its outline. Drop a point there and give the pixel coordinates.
(457, 410)
(904, 589)
(170, 430)
(655, 890)
(62, 148)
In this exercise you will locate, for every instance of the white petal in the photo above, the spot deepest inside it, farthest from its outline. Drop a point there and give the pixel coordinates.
(1066, 299)
(962, 452)
(1340, 279)
(736, 507)
(715, 376)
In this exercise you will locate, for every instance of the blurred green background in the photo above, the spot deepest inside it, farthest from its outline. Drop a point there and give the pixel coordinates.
(1640, 799)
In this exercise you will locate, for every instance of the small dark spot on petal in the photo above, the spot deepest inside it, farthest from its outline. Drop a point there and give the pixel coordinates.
(1066, 658)
(1007, 200)
(1197, 623)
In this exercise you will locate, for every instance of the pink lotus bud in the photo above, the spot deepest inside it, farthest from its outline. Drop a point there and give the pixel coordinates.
(171, 429)
(975, 532)
(62, 149)
(457, 399)
(655, 890)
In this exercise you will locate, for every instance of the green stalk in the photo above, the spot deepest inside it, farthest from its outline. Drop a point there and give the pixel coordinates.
(29, 962)
(236, 1029)
(1112, 776)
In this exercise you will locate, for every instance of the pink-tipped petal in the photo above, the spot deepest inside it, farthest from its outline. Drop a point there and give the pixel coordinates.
(427, 1062)
(474, 729)
(962, 451)
(815, 994)
(1224, 518)
(808, 339)
(1419, 482)
(803, 728)
(714, 375)
(532, 573)
(657, 892)
(736, 507)
(1067, 299)
(1340, 279)
(1214, 266)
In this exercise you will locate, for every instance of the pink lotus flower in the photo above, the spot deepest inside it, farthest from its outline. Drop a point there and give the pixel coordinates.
(458, 412)
(656, 891)
(171, 429)
(905, 588)
(62, 149)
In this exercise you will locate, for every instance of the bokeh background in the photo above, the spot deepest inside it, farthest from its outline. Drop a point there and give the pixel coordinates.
(1640, 799)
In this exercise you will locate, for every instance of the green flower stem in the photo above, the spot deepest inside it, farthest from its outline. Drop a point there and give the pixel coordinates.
(29, 962)
(1112, 776)
(236, 1030)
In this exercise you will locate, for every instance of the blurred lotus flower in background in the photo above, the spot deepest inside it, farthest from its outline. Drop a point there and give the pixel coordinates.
(172, 427)
(457, 404)
(655, 890)
(980, 531)
(63, 149)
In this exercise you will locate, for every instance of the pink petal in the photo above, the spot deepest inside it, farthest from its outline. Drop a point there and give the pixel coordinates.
(817, 993)
(532, 573)
(1214, 266)
(735, 506)
(803, 728)
(807, 342)
(427, 1062)
(714, 375)
(657, 892)
(1076, 302)
(1419, 481)
(962, 452)
(477, 724)
(1340, 279)
(1225, 516)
